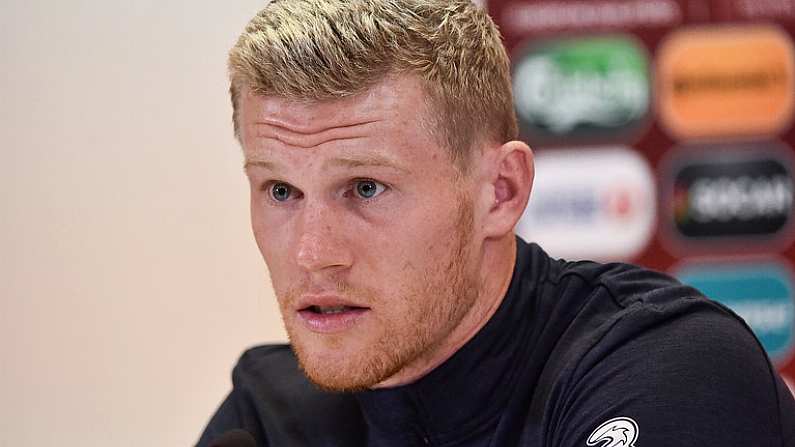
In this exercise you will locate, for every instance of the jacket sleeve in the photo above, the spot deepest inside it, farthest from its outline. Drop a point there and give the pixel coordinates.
(230, 415)
(273, 400)
(696, 379)
(238, 411)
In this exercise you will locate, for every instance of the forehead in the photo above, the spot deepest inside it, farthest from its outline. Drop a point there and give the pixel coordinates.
(392, 116)
(399, 99)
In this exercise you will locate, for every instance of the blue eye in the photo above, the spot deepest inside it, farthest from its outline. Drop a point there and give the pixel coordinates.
(280, 192)
(367, 189)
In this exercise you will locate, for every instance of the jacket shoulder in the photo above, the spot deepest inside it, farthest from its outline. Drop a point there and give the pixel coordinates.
(273, 399)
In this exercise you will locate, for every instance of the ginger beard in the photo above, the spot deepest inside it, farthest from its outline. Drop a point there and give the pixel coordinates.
(434, 301)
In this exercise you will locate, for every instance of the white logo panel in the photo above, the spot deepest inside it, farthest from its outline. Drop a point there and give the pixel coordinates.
(594, 203)
(617, 432)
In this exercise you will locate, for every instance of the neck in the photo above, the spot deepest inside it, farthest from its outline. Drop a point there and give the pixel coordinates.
(495, 270)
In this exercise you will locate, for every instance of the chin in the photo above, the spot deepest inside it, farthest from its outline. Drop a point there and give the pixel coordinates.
(334, 365)
(336, 381)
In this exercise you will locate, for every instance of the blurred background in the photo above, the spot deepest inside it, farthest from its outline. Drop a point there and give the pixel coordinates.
(129, 279)
(663, 135)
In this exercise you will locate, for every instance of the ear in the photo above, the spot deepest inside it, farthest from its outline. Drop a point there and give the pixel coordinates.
(509, 180)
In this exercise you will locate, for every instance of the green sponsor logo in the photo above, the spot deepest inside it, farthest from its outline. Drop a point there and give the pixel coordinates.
(581, 88)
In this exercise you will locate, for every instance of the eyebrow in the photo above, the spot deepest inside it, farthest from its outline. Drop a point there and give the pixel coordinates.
(370, 160)
(259, 164)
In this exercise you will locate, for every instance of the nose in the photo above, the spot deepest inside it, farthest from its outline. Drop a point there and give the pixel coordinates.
(320, 241)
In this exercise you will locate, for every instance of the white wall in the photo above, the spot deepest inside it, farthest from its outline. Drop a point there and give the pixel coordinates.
(129, 281)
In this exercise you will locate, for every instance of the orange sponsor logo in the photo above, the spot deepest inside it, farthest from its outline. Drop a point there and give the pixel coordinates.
(726, 82)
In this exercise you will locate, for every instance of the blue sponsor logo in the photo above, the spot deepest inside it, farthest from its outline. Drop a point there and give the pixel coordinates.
(760, 293)
(581, 206)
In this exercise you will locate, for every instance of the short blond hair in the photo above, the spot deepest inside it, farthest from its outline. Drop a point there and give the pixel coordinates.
(329, 49)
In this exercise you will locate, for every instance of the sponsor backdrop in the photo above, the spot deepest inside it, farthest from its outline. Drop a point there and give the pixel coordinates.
(664, 136)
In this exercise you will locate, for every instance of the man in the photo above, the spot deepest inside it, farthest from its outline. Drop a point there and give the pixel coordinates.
(386, 179)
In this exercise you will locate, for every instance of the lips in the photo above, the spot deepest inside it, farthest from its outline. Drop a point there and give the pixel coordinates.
(329, 314)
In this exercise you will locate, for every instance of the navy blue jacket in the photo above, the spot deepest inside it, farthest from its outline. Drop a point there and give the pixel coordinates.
(579, 354)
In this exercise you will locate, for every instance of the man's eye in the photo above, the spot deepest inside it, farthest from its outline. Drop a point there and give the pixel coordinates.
(281, 192)
(367, 189)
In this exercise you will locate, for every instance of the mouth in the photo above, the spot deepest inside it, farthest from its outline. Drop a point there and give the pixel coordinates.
(330, 315)
(331, 310)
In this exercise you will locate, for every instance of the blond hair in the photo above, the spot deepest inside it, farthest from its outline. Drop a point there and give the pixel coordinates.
(328, 49)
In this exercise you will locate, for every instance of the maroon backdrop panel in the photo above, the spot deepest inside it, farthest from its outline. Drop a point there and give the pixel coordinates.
(663, 134)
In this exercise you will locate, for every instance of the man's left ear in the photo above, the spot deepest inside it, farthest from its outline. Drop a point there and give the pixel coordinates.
(508, 180)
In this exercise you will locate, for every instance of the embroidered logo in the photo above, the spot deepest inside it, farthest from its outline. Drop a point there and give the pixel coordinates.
(617, 432)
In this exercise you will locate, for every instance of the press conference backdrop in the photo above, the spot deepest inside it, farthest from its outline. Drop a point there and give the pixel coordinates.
(664, 136)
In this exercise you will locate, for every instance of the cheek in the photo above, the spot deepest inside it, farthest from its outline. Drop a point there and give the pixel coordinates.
(406, 262)
(424, 239)
(258, 227)
(272, 240)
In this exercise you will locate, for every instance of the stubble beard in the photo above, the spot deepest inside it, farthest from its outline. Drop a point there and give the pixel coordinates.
(440, 300)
